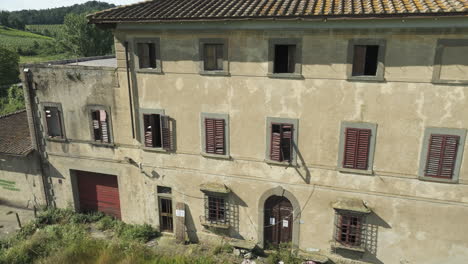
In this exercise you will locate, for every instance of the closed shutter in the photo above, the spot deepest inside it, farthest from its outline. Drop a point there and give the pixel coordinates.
(215, 136)
(442, 155)
(281, 142)
(356, 149)
(166, 133)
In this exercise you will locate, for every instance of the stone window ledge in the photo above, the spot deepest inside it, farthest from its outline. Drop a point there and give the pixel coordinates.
(296, 76)
(215, 156)
(159, 150)
(281, 163)
(336, 245)
(106, 145)
(365, 172)
(438, 180)
(215, 225)
(58, 140)
(215, 73)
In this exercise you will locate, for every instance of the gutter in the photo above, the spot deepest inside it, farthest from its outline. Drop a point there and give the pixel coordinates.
(130, 97)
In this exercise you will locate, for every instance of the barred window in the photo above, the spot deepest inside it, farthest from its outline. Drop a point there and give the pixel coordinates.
(216, 209)
(349, 229)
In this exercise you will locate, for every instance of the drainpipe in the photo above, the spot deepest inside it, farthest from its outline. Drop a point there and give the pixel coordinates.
(130, 97)
(29, 98)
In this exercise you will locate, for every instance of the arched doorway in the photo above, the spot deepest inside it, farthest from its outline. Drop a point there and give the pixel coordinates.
(278, 221)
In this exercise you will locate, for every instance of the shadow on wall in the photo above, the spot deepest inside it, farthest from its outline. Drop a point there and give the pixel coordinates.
(236, 202)
(305, 174)
(190, 225)
(373, 223)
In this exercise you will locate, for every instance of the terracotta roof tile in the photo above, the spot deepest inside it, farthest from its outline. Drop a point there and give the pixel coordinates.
(174, 10)
(15, 138)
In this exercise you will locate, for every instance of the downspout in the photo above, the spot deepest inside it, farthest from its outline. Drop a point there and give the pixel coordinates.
(130, 97)
(36, 138)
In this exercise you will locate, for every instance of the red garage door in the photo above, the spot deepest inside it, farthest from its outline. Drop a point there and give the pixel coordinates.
(98, 192)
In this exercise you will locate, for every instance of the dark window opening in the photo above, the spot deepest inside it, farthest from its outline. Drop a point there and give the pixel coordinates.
(165, 215)
(54, 122)
(157, 133)
(216, 209)
(215, 136)
(441, 156)
(365, 61)
(213, 59)
(147, 55)
(285, 59)
(281, 142)
(100, 126)
(349, 229)
(153, 136)
(356, 148)
(164, 190)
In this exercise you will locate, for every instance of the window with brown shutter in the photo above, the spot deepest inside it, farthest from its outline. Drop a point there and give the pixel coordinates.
(356, 148)
(53, 122)
(215, 136)
(281, 142)
(100, 125)
(157, 131)
(441, 155)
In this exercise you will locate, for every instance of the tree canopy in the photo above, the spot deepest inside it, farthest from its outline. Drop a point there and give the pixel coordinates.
(9, 67)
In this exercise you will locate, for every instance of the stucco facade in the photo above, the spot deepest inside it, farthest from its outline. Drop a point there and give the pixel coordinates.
(412, 221)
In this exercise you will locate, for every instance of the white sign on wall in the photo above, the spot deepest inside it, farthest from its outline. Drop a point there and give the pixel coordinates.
(272, 220)
(285, 223)
(180, 213)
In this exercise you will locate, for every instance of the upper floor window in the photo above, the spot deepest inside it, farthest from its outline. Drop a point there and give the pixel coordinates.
(147, 55)
(451, 61)
(100, 124)
(441, 154)
(366, 59)
(357, 143)
(285, 58)
(54, 120)
(281, 136)
(214, 56)
(157, 132)
(215, 134)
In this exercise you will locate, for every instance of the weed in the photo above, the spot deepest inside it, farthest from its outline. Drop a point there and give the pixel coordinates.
(283, 253)
(223, 248)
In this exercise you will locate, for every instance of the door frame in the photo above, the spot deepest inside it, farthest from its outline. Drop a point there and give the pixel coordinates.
(165, 197)
(279, 191)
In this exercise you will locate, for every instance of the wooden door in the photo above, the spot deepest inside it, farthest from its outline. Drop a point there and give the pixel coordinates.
(278, 222)
(165, 215)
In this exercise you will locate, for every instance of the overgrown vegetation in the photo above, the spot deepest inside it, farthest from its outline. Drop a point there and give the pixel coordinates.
(62, 236)
(283, 253)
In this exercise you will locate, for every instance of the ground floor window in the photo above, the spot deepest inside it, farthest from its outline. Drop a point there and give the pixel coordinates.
(349, 229)
(216, 209)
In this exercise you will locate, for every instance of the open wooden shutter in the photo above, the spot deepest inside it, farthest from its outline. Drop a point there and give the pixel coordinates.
(219, 136)
(165, 132)
(441, 156)
(104, 126)
(291, 58)
(359, 60)
(356, 149)
(286, 142)
(275, 149)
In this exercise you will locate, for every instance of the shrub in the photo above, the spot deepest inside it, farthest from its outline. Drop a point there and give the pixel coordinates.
(223, 248)
(283, 253)
(106, 223)
(142, 233)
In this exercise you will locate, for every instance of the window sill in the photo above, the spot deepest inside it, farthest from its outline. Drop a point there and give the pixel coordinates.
(58, 140)
(438, 180)
(364, 172)
(160, 150)
(450, 82)
(215, 156)
(106, 145)
(281, 163)
(365, 78)
(156, 71)
(213, 225)
(296, 76)
(215, 73)
(337, 245)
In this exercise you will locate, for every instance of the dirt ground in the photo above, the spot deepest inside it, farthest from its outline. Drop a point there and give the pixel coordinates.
(8, 222)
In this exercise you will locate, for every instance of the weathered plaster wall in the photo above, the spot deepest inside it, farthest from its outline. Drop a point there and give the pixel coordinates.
(20, 181)
(415, 221)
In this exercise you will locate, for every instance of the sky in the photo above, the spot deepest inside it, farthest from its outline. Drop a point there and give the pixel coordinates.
(12, 5)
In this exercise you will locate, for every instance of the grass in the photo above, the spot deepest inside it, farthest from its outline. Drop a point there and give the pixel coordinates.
(10, 32)
(43, 58)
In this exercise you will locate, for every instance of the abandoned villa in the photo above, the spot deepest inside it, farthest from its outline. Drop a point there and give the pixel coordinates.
(336, 126)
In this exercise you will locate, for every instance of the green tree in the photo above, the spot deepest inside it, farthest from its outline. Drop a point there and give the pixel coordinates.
(14, 100)
(9, 67)
(83, 39)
